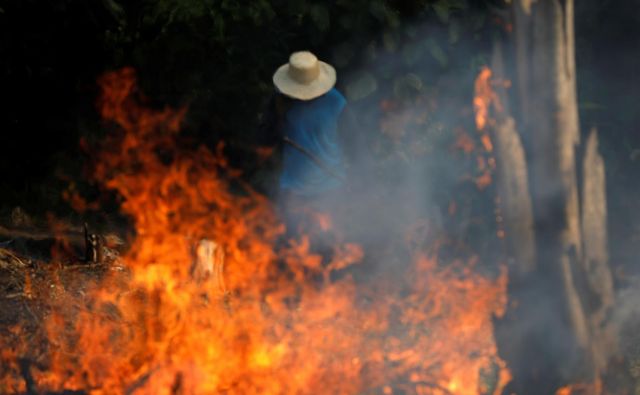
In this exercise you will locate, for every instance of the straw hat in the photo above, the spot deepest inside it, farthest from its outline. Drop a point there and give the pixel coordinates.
(304, 77)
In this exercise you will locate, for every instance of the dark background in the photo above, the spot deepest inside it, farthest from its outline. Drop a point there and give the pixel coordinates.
(217, 57)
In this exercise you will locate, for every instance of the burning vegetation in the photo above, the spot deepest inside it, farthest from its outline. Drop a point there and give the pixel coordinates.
(470, 256)
(281, 323)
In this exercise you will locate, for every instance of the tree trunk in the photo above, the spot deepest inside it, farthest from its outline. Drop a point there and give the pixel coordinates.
(512, 180)
(555, 136)
(515, 331)
(596, 256)
(557, 294)
(522, 42)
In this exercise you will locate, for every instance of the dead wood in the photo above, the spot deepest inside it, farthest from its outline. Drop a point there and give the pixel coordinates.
(97, 248)
(209, 265)
(555, 137)
(595, 253)
(512, 181)
(93, 244)
(9, 260)
(76, 237)
(546, 76)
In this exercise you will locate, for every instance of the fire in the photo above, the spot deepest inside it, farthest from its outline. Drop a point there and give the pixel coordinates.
(485, 97)
(484, 100)
(282, 325)
(581, 389)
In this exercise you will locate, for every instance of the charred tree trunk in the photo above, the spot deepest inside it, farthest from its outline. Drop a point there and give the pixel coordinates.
(558, 296)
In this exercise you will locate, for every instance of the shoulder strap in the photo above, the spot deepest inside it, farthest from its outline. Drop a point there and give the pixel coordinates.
(314, 158)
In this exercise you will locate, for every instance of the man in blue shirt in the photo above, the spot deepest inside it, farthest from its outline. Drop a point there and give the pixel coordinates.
(311, 120)
(313, 161)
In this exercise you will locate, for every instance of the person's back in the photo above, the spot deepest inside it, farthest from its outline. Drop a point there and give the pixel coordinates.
(313, 173)
(313, 161)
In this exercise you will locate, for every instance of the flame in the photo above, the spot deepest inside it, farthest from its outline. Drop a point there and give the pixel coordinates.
(464, 143)
(276, 323)
(581, 389)
(484, 98)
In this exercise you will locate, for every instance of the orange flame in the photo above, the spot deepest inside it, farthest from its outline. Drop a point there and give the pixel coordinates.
(581, 389)
(283, 326)
(484, 98)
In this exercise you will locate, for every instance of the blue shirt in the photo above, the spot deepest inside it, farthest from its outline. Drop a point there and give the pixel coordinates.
(313, 125)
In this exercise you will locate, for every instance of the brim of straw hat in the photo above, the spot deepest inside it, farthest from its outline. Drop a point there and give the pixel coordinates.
(318, 87)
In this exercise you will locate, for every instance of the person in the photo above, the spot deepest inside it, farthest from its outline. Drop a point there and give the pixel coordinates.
(310, 119)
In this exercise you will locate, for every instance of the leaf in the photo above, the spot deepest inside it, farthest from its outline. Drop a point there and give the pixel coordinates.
(296, 7)
(411, 53)
(363, 85)
(115, 10)
(444, 8)
(371, 52)
(218, 26)
(454, 32)
(378, 9)
(343, 54)
(386, 70)
(320, 17)
(437, 52)
(411, 31)
(393, 20)
(477, 21)
(407, 85)
(442, 11)
(389, 42)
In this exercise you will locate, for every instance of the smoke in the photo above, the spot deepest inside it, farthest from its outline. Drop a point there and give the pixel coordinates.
(412, 189)
(626, 320)
(415, 188)
(411, 100)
